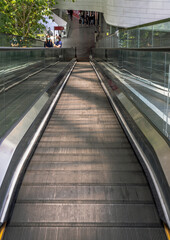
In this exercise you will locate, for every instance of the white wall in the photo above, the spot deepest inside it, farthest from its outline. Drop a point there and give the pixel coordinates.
(123, 13)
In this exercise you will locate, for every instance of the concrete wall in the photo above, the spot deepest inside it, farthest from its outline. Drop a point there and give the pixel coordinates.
(123, 13)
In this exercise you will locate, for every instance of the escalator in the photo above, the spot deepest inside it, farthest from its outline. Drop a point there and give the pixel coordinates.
(84, 180)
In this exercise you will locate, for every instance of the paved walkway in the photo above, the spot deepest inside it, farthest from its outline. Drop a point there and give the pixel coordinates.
(81, 37)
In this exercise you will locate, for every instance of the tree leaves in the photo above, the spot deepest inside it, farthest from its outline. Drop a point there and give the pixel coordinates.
(21, 17)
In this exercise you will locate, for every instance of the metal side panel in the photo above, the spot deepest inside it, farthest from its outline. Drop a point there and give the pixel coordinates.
(84, 181)
(152, 149)
(30, 129)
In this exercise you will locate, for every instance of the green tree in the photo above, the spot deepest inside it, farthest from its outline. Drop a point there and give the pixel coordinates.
(21, 17)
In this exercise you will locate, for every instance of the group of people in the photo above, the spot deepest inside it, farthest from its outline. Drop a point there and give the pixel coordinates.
(48, 43)
(70, 12)
(85, 18)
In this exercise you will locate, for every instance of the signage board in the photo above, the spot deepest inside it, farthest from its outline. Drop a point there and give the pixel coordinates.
(59, 28)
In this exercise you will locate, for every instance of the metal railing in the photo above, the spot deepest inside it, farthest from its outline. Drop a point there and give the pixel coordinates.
(151, 71)
(20, 143)
(17, 65)
(137, 83)
(31, 81)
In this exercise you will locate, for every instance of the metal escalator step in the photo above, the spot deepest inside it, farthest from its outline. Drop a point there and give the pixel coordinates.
(79, 133)
(114, 214)
(84, 181)
(121, 158)
(89, 112)
(84, 233)
(124, 193)
(84, 151)
(85, 117)
(104, 146)
(63, 139)
(80, 165)
(61, 176)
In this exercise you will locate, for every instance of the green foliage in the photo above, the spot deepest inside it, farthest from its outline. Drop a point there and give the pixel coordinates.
(21, 17)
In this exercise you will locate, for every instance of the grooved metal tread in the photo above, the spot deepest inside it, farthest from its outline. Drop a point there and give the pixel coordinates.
(84, 181)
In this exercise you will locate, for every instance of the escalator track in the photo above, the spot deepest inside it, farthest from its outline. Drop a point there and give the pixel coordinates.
(84, 180)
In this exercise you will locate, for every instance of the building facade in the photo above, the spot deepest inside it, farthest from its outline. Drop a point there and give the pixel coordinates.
(123, 13)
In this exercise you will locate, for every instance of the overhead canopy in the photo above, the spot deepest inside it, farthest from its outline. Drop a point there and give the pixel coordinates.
(59, 20)
(51, 23)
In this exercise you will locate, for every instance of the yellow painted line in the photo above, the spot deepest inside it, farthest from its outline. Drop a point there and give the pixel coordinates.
(2, 230)
(167, 232)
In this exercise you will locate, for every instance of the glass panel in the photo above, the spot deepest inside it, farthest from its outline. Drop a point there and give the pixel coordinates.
(21, 82)
(133, 38)
(18, 41)
(158, 66)
(113, 57)
(145, 64)
(2, 92)
(166, 123)
(123, 36)
(156, 35)
(99, 53)
(146, 37)
(161, 35)
(147, 77)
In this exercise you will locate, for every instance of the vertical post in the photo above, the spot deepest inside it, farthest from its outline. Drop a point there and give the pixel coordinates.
(111, 29)
(138, 37)
(91, 55)
(100, 19)
(44, 55)
(106, 54)
(61, 13)
(167, 104)
(151, 65)
(152, 36)
(75, 52)
(127, 45)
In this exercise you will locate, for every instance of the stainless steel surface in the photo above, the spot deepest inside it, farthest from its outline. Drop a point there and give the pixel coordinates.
(8, 146)
(144, 75)
(22, 128)
(22, 80)
(162, 149)
(84, 180)
(159, 144)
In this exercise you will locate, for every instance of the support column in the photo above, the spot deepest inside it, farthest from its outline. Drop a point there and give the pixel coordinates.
(61, 13)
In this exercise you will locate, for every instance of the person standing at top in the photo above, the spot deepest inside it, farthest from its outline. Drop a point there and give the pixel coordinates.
(87, 19)
(82, 17)
(71, 14)
(48, 43)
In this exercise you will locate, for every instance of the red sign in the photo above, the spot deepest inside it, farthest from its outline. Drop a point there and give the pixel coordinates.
(58, 28)
(76, 14)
